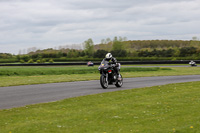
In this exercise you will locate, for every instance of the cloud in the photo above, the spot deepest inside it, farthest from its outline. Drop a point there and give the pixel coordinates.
(50, 23)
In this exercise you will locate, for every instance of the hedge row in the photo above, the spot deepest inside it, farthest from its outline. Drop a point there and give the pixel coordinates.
(81, 59)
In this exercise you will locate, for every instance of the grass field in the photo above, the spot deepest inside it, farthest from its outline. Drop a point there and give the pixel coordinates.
(161, 109)
(11, 76)
(37, 75)
(32, 71)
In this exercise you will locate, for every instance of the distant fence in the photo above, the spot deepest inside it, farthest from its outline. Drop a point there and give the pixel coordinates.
(97, 63)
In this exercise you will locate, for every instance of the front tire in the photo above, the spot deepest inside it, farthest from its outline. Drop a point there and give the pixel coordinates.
(119, 83)
(103, 82)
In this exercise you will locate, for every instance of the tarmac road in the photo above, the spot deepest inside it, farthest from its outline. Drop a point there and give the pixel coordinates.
(17, 96)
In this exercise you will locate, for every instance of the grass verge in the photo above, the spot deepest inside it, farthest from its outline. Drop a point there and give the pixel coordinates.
(32, 71)
(160, 109)
(141, 72)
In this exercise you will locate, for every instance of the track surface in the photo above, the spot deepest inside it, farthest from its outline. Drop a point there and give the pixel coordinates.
(17, 96)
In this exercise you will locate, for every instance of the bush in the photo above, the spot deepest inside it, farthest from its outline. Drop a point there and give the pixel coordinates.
(8, 60)
(51, 61)
(31, 61)
(43, 61)
(100, 53)
(38, 61)
(22, 61)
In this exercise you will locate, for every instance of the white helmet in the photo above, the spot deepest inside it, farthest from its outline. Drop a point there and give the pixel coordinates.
(108, 56)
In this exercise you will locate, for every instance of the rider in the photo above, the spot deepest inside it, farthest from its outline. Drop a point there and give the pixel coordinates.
(113, 60)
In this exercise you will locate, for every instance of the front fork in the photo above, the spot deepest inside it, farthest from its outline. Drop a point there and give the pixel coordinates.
(106, 77)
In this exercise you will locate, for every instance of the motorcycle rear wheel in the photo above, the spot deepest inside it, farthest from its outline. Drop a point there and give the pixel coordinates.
(103, 82)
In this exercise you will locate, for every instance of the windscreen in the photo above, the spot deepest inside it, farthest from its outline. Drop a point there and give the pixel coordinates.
(104, 62)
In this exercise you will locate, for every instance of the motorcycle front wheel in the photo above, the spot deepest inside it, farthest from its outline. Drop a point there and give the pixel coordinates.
(103, 82)
(119, 83)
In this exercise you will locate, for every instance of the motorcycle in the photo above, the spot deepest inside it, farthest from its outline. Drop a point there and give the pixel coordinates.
(192, 63)
(108, 75)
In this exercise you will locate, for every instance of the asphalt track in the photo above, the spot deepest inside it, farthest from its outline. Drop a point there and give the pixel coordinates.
(17, 96)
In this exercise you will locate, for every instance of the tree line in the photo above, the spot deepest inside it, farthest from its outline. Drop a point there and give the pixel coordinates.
(118, 46)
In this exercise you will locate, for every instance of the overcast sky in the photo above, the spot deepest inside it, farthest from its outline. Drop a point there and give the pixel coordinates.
(51, 23)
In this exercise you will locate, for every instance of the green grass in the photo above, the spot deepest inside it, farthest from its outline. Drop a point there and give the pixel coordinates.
(11, 76)
(161, 109)
(39, 79)
(31, 71)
